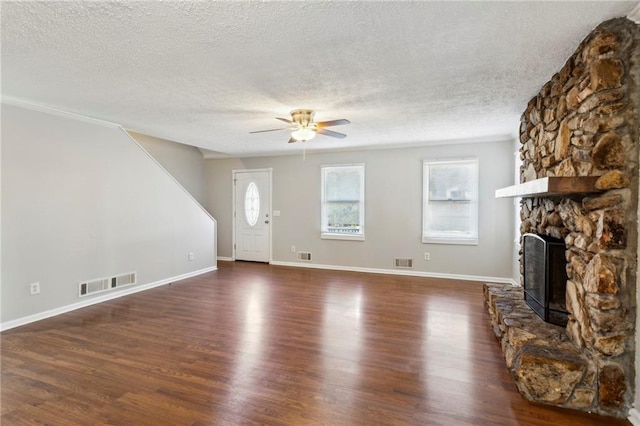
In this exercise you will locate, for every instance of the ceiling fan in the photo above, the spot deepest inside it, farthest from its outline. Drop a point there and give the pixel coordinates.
(303, 128)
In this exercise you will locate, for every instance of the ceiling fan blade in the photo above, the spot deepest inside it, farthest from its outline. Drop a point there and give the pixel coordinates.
(329, 123)
(292, 140)
(331, 133)
(270, 130)
(285, 120)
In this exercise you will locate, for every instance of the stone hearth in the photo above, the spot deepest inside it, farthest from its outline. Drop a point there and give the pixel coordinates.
(584, 122)
(543, 360)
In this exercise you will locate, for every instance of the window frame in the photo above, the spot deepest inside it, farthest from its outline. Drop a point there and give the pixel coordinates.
(324, 234)
(451, 237)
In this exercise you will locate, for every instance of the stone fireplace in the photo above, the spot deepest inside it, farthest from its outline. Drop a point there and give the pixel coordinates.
(579, 149)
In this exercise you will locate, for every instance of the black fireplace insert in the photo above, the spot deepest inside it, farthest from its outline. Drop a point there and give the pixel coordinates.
(545, 277)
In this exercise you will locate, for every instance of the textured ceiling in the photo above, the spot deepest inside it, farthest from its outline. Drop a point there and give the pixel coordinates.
(207, 73)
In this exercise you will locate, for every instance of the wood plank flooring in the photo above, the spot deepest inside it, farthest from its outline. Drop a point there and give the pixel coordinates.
(260, 344)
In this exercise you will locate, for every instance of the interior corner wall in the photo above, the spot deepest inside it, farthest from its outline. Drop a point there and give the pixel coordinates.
(80, 201)
(393, 209)
(184, 162)
(515, 266)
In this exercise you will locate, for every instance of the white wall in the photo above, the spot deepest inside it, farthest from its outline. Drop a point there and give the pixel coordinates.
(393, 209)
(516, 214)
(81, 200)
(184, 162)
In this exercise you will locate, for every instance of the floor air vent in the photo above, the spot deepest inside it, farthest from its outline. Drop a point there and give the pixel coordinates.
(403, 262)
(104, 284)
(304, 255)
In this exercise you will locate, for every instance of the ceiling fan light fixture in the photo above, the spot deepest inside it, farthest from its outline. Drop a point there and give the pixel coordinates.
(302, 117)
(303, 128)
(303, 134)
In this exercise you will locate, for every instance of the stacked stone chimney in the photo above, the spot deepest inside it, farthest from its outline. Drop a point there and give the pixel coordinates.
(585, 122)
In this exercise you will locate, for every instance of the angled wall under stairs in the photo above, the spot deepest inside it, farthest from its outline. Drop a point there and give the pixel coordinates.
(82, 201)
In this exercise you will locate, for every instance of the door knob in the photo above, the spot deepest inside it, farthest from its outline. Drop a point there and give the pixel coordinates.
(266, 221)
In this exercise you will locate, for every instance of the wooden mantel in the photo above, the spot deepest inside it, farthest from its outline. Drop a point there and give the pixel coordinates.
(550, 186)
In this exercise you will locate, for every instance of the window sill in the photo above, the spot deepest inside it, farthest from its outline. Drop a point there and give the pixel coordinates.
(462, 242)
(357, 237)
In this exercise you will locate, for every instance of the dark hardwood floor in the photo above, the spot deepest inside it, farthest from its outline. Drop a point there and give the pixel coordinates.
(259, 344)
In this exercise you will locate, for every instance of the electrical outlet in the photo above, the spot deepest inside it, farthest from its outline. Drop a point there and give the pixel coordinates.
(427, 256)
(34, 288)
(293, 249)
(190, 257)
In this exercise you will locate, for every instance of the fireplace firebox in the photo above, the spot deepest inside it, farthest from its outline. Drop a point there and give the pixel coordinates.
(545, 277)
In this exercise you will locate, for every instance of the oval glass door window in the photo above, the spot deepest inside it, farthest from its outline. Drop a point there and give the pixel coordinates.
(252, 204)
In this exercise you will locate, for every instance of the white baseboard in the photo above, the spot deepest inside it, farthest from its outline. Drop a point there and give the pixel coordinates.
(225, 259)
(634, 417)
(396, 272)
(99, 299)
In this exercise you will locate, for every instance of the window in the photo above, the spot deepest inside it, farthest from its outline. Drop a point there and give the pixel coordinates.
(450, 202)
(252, 204)
(342, 209)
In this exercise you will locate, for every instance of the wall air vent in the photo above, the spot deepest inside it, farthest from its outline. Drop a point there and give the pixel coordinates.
(124, 279)
(94, 286)
(403, 262)
(103, 284)
(304, 255)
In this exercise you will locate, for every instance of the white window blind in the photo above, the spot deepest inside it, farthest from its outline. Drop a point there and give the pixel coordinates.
(343, 202)
(450, 201)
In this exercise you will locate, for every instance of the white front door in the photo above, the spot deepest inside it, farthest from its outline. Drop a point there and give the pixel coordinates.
(252, 215)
